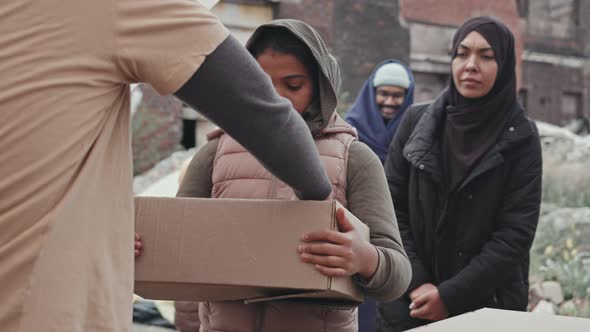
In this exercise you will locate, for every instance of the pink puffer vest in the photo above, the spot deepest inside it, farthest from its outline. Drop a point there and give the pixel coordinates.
(237, 174)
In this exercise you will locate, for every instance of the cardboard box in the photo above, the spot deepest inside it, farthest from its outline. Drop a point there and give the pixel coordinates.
(232, 249)
(494, 320)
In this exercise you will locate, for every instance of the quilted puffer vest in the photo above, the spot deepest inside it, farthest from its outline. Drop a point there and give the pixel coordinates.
(237, 174)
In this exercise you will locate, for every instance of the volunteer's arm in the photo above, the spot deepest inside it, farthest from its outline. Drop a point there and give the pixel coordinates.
(232, 91)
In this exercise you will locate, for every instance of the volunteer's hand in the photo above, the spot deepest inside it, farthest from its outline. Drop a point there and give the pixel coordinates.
(429, 306)
(340, 253)
(137, 245)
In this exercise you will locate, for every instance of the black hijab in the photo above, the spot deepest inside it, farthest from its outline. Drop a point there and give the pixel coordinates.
(473, 126)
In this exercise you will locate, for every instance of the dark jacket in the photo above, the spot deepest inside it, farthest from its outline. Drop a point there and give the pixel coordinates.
(474, 243)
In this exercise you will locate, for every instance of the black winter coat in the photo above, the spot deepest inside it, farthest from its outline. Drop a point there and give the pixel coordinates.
(472, 244)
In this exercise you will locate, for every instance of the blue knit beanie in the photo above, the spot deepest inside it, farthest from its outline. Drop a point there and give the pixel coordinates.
(392, 74)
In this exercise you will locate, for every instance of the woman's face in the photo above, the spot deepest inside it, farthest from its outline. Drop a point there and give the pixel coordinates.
(289, 76)
(474, 67)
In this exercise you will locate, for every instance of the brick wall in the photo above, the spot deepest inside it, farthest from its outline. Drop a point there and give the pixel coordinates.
(558, 31)
(368, 32)
(545, 85)
(318, 14)
(360, 33)
(446, 14)
(455, 12)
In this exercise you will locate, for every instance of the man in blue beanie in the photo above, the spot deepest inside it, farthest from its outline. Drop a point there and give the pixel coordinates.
(375, 114)
(381, 102)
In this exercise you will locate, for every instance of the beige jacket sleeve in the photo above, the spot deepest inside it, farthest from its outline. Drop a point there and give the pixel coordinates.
(163, 42)
(370, 201)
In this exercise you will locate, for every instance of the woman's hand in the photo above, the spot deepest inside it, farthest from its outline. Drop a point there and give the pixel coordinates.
(419, 291)
(427, 303)
(138, 245)
(341, 253)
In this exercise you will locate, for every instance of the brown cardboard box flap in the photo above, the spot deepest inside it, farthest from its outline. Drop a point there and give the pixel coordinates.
(319, 298)
(229, 249)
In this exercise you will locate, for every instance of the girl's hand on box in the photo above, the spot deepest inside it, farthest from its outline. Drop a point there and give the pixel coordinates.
(340, 253)
(138, 245)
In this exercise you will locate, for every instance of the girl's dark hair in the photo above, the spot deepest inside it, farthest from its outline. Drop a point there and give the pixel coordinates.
(283, 41)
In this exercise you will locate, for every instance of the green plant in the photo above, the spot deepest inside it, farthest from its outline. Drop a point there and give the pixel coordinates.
(576, 308)
(566, 184)
(561, 246)
(559, 192)
(570, 273)
(558, 244)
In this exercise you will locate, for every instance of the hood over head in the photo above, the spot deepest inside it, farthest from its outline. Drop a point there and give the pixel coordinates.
(318, 114)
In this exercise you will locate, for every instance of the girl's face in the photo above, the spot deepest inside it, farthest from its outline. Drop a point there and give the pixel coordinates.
(474, 67)
(289, 76)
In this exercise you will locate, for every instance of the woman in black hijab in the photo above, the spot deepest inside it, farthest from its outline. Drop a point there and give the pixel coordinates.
(464, 172)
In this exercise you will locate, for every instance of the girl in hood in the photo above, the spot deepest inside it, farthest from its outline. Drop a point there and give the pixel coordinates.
(301, 69)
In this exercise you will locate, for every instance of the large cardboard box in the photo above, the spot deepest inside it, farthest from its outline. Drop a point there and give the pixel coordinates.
(231, 249)
(494, 320)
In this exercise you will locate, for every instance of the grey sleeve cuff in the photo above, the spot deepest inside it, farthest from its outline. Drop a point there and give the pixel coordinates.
(232, 91)
(379, 286)
(375, 281)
